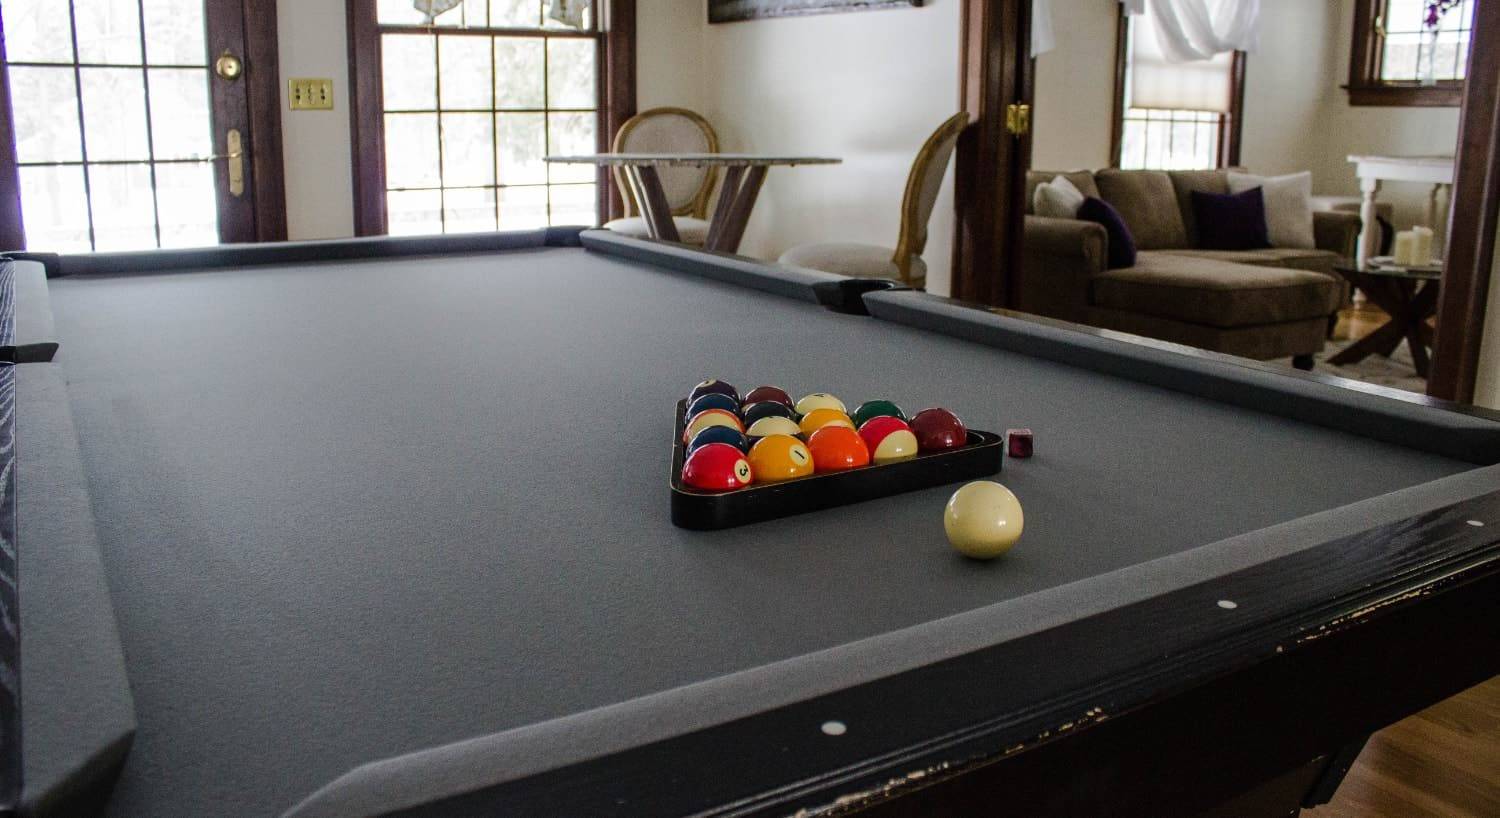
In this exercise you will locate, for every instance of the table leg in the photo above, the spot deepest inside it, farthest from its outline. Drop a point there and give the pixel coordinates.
(654, 205)
(727, 234)
(1409, 309)
(1369, 229)
(727, 190)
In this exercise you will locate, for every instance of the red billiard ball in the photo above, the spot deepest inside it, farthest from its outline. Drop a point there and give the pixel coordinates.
(768, 393)
(716, 467)
(938, 429)
(888, 439)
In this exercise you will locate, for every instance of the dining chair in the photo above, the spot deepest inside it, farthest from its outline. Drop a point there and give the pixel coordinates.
(668, 130)
(903, 262)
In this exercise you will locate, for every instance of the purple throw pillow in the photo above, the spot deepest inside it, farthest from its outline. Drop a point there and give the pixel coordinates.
(1231, 221)
(1121, 243)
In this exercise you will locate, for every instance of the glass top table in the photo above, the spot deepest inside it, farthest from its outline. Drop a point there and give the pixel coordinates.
(743, 175)
(1409, 296)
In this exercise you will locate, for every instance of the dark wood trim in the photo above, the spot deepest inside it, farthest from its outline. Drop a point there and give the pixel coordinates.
(990, 182)
(366, 130)
(1471, 226)
(12, 229)
(1232, 130)
(1122, 65)
(1365, 86)
(263, 86)
(617, 101)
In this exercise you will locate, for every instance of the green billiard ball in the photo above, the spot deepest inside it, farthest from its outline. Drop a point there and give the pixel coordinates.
(876, 409)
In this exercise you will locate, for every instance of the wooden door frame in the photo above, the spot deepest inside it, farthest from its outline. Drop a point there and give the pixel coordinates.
(227, 22)
(1471, 227)
(995, 70)
(616, 91)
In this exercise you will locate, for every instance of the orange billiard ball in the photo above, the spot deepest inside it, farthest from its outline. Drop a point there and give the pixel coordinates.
(837, 448)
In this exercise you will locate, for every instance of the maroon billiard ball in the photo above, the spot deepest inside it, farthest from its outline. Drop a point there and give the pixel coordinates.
(716, 467)
(938, 429)
(761, 394)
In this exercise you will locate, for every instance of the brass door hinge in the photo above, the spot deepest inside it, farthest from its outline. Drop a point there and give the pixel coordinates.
(1018, 118)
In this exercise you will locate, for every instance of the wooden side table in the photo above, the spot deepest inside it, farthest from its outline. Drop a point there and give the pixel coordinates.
(743, 176)
(1409, 296)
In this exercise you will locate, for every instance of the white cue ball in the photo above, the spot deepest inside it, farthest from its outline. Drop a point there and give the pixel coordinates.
(983, 520)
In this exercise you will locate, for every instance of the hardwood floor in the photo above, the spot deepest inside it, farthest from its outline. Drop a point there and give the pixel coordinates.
(1443, 762)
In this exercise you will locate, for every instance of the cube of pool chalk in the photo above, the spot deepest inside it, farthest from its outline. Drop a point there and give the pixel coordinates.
(1019, 442)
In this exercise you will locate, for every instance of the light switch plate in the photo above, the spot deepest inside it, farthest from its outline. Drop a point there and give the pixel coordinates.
(310, 94)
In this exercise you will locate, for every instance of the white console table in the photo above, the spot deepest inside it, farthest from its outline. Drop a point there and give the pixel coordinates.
(1372, 170)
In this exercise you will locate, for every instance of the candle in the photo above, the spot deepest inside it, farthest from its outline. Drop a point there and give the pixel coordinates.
(1422, 253)
(1406, 246)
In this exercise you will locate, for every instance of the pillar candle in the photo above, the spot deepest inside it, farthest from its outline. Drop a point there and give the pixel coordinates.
(1406, 246)
(1422, 253)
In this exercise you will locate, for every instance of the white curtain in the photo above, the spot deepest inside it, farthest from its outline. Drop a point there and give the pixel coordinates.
(1196, 30)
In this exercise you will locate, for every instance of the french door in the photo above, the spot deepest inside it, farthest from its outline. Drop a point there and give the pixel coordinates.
(137, 124)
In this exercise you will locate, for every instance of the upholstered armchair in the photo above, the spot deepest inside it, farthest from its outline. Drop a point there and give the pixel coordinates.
(904, 261)
(668, 130)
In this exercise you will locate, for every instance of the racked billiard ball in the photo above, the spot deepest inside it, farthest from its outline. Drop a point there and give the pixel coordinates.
(766, 409)
(837, 448)
(818, 400)
(768, 393)
(711, 417)
(983, 520)
(938, 429)
(719, 434)
(818, 418)
(765, 427)
(717, 467)
(889, 439)
(876, 409)
(777, 458)
(713, 400)
(711, 386)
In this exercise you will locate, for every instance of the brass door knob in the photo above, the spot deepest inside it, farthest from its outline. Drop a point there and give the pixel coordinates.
(228, 66)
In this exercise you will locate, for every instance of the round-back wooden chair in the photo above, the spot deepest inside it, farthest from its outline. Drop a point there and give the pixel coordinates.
(669, 130)
(903, 262)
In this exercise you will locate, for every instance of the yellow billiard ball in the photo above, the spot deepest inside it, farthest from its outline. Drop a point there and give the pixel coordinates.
(818, 418)
(983, 520)
(819, 400)
(766, 427)
(780, 457)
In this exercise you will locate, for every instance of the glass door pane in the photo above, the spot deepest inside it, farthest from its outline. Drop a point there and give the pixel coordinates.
(111, 108)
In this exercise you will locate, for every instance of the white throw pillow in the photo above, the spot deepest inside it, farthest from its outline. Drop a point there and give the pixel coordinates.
(1289, 219)
(1057, 199)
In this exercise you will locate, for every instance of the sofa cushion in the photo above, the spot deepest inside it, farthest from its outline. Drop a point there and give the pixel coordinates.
(1184, 183)
(1231, 221)
(1121, 244)
(1215, 293)
(1057, 199)
(1081, 179)
(1148, 203)
(1288, 205)
(1318, 261)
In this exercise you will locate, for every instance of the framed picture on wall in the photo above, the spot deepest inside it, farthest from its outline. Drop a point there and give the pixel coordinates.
(729, 11)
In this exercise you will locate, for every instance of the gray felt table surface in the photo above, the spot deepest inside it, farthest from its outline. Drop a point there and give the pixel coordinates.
(353, 510)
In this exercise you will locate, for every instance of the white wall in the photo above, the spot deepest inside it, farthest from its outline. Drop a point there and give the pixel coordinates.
(319, 187)
(1074, 97)
(868, 87)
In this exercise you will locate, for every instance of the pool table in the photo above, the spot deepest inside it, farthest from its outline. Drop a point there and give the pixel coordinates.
(381, 526)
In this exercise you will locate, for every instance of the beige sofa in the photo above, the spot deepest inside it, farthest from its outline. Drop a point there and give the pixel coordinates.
(1261, 304)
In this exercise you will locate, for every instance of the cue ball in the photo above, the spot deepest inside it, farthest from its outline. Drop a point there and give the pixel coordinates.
(983, 520)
